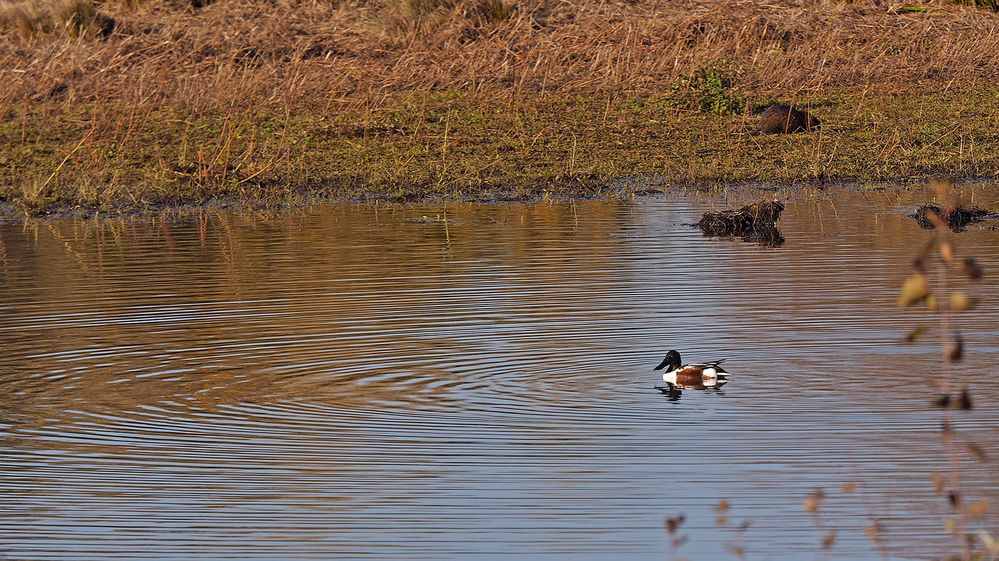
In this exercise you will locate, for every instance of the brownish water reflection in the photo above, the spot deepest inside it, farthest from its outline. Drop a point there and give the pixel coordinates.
(387, 382)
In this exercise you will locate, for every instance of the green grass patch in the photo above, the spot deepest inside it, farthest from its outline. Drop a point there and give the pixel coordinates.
(708, 90)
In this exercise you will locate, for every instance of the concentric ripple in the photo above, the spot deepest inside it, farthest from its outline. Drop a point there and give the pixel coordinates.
(474, 382)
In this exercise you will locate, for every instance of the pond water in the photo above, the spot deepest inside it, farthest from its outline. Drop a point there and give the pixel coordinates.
(394, 381)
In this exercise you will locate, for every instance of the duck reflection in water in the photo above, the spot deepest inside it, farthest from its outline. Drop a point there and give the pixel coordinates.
(707, 376)
(673, 392)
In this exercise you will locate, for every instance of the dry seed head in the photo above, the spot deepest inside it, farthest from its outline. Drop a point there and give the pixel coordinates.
(915, 334)
(990, 543)
(673, 523)
(919, 263)
(978, 452)
(964, 400)
(942, 188)
(978, 508)
(813, 502)
(946, 428)
(955, 350)
(939, 483)
(947, 251)
(943, 401)
(736, 550)
(970, 268)
(960, 302)
(915, 289)
(938, 221)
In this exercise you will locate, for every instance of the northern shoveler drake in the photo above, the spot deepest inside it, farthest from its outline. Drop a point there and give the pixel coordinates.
(679, 374)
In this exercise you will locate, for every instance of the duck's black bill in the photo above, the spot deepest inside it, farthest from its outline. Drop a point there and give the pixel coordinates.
(662, 364)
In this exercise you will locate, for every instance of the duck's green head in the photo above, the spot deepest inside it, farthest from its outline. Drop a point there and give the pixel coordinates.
(672, 360)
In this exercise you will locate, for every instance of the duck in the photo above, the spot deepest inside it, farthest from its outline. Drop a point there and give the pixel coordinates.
(706, 374)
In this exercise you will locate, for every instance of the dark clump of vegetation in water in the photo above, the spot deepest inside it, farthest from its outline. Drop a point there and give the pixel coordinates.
(756, 222)
(957, 218)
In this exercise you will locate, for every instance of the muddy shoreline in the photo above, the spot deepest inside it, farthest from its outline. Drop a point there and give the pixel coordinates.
(624, 189)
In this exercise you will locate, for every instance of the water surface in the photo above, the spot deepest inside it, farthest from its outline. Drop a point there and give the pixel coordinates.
(474, 382)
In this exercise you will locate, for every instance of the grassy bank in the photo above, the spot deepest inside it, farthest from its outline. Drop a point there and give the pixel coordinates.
(470, 147)
(134, 104)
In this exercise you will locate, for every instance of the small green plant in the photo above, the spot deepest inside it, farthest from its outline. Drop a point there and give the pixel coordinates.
(709, 90)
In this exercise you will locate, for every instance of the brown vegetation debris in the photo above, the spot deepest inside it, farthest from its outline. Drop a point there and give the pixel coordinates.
(756, 222)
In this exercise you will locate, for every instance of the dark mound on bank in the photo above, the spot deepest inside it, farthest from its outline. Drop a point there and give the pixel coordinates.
(782, 119)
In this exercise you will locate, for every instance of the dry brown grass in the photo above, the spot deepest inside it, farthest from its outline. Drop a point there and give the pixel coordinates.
(75, 18)
(184, 100)
(316, 54)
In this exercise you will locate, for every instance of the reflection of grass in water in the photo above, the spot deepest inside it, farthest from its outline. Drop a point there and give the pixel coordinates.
(940, 283)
